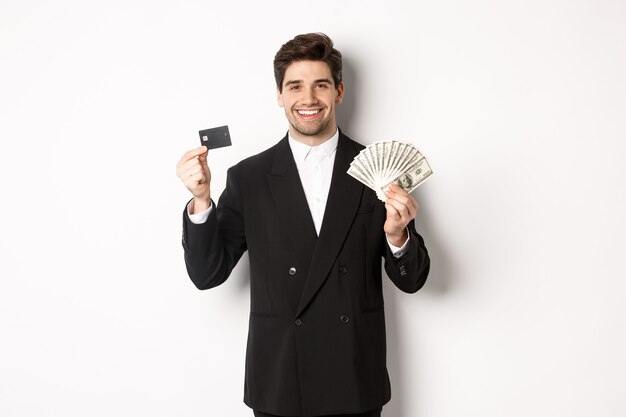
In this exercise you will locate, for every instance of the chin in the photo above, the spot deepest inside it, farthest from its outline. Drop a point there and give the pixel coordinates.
(311, 130)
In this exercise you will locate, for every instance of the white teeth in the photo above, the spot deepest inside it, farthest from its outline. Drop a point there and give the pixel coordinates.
(308, 112)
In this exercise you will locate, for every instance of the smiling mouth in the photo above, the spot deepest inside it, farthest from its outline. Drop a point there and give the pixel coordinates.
(308, 114)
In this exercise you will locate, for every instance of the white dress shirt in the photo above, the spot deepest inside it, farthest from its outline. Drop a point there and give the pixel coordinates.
(315, 167)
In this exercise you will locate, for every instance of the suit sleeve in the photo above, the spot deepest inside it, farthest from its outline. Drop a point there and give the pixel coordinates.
(213, 248)
(409, 272)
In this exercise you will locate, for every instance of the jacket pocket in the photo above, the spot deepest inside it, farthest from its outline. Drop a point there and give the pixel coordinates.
(366, 209)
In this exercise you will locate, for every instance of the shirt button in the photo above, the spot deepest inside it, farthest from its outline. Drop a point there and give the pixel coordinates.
(292, 271)
(345, 319)
(298, 322)
(343, 269)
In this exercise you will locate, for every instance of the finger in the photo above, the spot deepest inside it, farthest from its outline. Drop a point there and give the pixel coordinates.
(397, 189)
(188, 165)
(416, 206)
(412, 206)
(400, 207)
(392, 213)
(402, 198)
(196, 177)
(405, 213)
(203, 156)
(193, 170)
(192, 154)
(193, 182)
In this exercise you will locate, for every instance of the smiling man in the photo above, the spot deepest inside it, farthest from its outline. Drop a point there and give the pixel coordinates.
(310, 101)
(316, 239)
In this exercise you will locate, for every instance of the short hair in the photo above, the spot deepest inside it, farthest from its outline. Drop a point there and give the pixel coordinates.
(307, 47)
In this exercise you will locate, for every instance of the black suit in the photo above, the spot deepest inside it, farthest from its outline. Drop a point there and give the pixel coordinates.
(316, 341)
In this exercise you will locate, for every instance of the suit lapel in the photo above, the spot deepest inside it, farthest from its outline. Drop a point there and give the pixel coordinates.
(288, 195)
(341, 207)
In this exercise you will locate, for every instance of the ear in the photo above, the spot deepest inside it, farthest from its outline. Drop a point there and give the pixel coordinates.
(279, 98)
(340, 91)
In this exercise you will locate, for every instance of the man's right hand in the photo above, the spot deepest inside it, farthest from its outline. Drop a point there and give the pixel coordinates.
(194, 172)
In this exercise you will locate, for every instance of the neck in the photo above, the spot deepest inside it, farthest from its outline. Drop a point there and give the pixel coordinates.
(312, 140)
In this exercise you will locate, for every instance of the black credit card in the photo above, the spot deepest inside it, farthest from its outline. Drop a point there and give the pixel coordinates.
(217, 137)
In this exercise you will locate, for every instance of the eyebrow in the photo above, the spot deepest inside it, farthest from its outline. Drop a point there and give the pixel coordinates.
(321, 80)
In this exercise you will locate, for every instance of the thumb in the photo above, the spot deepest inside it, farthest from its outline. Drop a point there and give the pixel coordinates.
(203, 156)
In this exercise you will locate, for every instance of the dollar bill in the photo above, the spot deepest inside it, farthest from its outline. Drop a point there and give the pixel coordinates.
(410, 179)
(384, 162)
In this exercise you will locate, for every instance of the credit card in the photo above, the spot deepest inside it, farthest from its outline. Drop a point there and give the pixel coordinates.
(216, 137)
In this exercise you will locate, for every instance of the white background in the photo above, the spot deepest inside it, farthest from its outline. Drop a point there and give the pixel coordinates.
(520, 107)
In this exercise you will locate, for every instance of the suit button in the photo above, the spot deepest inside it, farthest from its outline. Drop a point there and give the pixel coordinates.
(343, 269)
(298, 322)
(345, 319)
(292, 271)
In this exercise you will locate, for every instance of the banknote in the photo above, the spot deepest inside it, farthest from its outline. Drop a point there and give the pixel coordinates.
(384, 162)
(410, 179)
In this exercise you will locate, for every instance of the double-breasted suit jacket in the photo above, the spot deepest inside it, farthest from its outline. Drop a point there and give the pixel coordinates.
(316, 340)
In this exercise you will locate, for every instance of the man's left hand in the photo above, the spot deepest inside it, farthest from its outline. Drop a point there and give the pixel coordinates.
(401, 209)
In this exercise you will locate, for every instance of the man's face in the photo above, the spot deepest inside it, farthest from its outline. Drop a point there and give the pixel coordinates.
(404, 181)
(309, 97)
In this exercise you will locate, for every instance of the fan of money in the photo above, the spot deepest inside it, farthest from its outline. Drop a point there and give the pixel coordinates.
(384, 162)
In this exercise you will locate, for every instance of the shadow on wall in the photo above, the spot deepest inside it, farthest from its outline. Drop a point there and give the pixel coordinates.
(347, 109)
(404, 381)
(441, 265)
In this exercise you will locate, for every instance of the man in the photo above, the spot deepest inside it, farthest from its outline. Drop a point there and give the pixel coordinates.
(405, 181)
(315, 238)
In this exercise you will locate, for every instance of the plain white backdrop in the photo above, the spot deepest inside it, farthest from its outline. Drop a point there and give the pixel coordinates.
(520, 107)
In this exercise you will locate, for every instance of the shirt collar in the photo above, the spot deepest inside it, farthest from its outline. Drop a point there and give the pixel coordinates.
(301, 150)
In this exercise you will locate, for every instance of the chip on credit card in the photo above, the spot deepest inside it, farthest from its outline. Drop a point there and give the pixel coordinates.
(216, 137)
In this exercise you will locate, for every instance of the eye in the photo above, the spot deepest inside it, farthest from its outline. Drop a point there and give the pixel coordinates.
(322, 85)
(294, 87)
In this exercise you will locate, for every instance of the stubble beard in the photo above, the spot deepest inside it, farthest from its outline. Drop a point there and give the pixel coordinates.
(311, 130)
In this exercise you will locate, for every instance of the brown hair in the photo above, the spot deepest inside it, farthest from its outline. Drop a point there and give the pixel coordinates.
(307, 47)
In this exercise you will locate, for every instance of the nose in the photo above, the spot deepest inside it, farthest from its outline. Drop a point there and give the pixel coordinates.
(309, 96)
